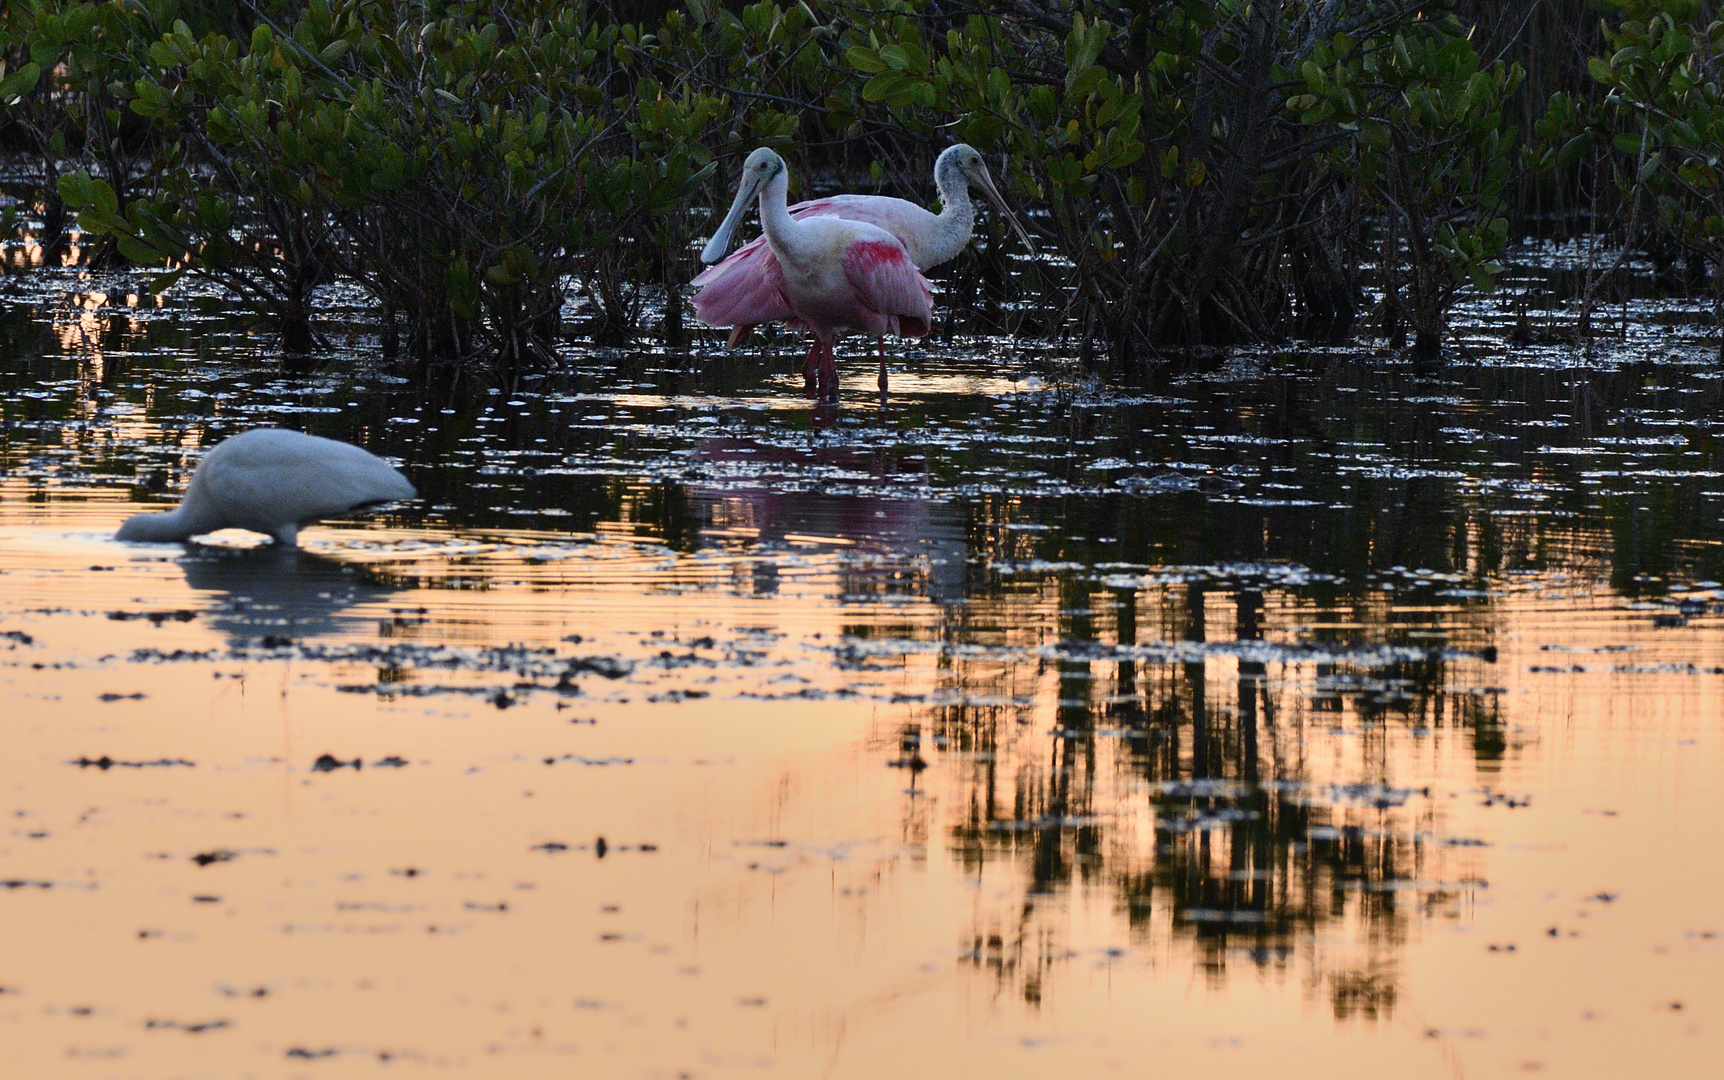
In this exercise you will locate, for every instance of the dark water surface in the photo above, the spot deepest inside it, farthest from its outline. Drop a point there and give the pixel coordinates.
(1299, 712)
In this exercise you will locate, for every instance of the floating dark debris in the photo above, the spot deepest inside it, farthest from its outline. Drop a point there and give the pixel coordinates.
(146, 656)
(156, 617)
(1513, 802)
(606, 667)
(579, 760)
(198, 1028)
(329, 763)
(105, 763)
(205, 858)
(674, 696)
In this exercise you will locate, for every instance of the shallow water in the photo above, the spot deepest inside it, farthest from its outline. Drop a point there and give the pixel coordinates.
(1305, 712)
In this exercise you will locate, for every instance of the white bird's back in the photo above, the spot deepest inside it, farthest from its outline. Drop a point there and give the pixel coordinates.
(272, 480)
(268, 476)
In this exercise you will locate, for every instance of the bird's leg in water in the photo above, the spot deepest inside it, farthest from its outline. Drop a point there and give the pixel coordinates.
(829, 374)
(881, 342)
(809, 367)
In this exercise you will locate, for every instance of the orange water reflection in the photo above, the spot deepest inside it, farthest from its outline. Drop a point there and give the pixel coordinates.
(863, 812)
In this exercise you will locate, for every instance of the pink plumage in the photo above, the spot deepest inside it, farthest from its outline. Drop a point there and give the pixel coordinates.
(820, 270)
(888, 287)
(742, 292)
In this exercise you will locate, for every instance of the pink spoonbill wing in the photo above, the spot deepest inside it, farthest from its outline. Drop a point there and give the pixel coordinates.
(887, 281)
(743, 291)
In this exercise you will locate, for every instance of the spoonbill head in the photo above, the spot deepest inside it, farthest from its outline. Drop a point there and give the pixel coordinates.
(271, 480)
(761, 167)
(959, 167)
(931, 239)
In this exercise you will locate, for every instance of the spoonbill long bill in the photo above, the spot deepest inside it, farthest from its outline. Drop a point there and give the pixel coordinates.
(273, 481)
(828, 274)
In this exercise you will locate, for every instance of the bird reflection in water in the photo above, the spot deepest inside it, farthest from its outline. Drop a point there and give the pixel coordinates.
(874, 512)
(271, 591)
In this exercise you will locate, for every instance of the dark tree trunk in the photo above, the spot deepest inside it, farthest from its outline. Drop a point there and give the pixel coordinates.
(1427, 346)
(53, 238)
(674, 338)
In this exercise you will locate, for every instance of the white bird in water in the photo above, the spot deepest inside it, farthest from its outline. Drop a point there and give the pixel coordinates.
(274, 481)
(929, 239)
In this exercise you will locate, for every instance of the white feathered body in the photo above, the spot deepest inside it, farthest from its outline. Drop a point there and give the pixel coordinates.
(272, 480)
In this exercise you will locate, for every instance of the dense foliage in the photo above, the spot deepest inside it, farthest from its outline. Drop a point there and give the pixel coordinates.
(1203, 173)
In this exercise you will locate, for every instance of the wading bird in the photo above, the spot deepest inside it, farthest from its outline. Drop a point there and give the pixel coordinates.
(827, 274)
(271, 480)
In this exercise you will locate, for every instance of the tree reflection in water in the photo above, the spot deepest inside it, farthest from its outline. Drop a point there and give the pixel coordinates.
(1239, 797)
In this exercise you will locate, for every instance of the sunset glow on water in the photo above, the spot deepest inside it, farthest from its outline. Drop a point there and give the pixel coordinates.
(1007, 731)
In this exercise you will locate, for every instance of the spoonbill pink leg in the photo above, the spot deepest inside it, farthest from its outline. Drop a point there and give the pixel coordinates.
(881, 342)
(810, 366)
(828, 373)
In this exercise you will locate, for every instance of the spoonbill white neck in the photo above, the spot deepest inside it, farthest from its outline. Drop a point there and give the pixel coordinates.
(957, 211)
(956, 170)
(181, 523)
(783, 233)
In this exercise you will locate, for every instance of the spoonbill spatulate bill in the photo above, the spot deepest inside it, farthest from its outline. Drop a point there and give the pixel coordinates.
(930, 239)
(274, 481)
(827, 274)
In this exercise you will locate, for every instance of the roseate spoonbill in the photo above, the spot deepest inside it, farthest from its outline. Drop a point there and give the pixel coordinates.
(931, 239)
(273, 481)
(827, 274)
